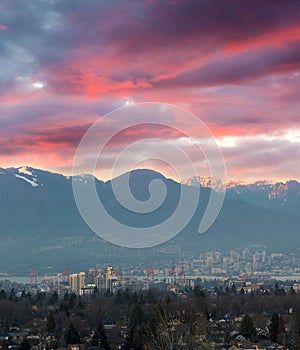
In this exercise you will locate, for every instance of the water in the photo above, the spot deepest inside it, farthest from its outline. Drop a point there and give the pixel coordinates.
(20, 279)
(26, 280)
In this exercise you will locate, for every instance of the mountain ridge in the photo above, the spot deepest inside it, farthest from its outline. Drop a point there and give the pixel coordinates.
(40, 224)
(263, 193)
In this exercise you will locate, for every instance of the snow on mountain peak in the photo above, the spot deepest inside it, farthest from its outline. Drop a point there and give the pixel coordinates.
(214, 183)
(25, 170)
(32, 182)
(24, 173)
(220, 185)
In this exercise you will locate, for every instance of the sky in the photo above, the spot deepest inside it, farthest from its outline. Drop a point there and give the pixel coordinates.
(233, 64)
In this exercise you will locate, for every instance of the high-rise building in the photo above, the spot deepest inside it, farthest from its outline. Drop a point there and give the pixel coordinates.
(110, 279)
(77, 282)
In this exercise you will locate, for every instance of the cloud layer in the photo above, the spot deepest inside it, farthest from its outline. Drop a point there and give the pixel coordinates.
(234, 64)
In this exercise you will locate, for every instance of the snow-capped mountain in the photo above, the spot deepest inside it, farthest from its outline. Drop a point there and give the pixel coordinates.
(40, 224)
(262, 193)
(27, 174)
(213, 183)
(220, 185)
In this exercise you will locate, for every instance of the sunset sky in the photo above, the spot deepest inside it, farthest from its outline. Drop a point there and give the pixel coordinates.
(234, 64)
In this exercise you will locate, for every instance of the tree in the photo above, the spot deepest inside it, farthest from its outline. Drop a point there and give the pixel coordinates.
(273, 329)
(72, 335)
(54, 298)
(119, 297)
(29, 296)
(227, 290)
(233, 289)
(134, 298)
(2, 294)
(130, 339)
(99, 338)
(12, 295)
(64, 308)
(137, 316)
(296, 332)
(50, 322)
(247, 328)
(279, 291)
(72, 301)
(4, 345)
(198, 292)
(79, 310)
(157, 333)
(25, 345)
(150, 297)
(281, 330)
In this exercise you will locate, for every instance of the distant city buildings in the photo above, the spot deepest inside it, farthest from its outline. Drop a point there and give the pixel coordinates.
(247, 268)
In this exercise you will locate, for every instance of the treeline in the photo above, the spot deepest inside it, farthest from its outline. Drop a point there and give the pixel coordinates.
(151, 319)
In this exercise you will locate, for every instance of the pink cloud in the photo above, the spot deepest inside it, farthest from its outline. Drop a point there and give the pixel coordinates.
(239, 78)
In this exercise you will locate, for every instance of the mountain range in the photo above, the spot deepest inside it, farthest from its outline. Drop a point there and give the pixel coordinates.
(41, 228)
(282, 196)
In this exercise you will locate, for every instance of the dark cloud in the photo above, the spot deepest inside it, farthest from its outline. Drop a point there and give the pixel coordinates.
(42, 33)
(144, 25)
(240, 68)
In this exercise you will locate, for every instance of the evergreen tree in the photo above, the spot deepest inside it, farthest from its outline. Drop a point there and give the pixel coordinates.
(273, 329)
(119, 297)
(233, 289)
(198, 292)
(126, 295)
(130, 339)
(79, 310)
(150, 297)
(64, 308)
(2, 294)
(4, 345)
(29, 296)
(134, 298)
(72, 335)
(12, 295)
(296, 332)
(99, 338)
(95, 291)
(40, 298)
(54, 298)
(72, 301)
(227, 290)
(281, 328)
(247, 328)
(25, 345)
(50, 322)
(137, 316)
(279, 291)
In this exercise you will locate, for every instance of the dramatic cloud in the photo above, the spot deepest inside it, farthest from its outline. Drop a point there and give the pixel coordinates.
(234, 64)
